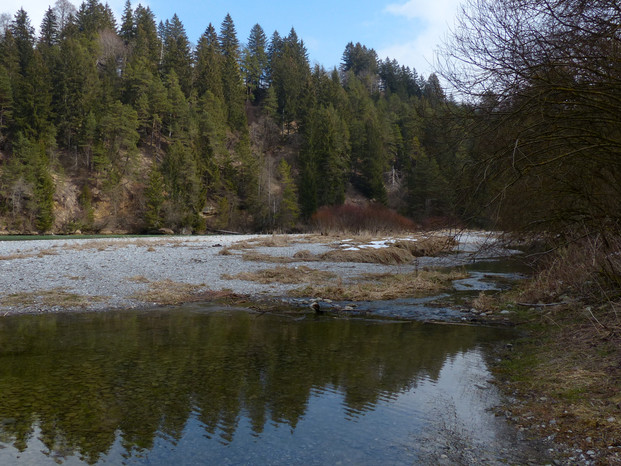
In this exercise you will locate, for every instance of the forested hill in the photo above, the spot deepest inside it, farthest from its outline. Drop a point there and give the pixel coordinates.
(125, 125)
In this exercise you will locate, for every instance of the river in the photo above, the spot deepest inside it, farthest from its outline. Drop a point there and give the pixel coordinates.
(204, 384)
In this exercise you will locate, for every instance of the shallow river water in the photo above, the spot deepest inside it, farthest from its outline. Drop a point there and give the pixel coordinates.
(205, 385)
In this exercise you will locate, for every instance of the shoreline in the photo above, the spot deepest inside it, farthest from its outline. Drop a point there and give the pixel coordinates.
(146, 273)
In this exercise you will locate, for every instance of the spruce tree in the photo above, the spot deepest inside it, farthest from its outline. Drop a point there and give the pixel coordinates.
(177, 54)
(147, 44)
(231, 75)
(289, 209)
(23, 35)
(50, 32)
(255, 61)
(6, 105)
(128, 26)
(209, 63)
(154, 196)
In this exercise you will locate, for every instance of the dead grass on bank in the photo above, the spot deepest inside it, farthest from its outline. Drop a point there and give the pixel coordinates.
(56, 297)
(28, 255)
(399, 252)
(393, 252)
(567, 377)
(284, 275)
(255, 256)
(376, 287)
(566, 373)
(167, 292)
(273, 241)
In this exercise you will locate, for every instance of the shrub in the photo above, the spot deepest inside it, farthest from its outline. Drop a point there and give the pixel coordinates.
(373, 218)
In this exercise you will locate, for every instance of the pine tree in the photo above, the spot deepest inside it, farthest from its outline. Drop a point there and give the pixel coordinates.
(209, 62)
(183, 185)
(154, 196)
(177, 54)
(255, 61)
(49, 29)
(232, 86)
(289, 210)
(290, 74)
(324, 160)
(147, 44)
(76, 91)
(23, 35)
(6, 105)
(128, 26)
(93, 17)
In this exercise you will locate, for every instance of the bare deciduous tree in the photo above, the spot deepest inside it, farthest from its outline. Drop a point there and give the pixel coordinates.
(543, 80)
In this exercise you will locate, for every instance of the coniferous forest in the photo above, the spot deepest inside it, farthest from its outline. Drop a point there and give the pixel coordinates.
(124, 125)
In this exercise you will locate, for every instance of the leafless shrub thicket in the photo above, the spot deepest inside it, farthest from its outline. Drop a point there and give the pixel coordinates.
(542, 81)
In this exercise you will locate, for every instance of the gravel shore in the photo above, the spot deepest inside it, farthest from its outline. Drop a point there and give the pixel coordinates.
(117, 273)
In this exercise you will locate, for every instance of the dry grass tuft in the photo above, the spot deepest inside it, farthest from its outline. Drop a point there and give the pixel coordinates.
(139, 279)
(399, 252)
(168, 292)
(305, 256)
(15, 256)
(56, 297)
(273, 241)
(589, 269)
(260, 257)
(372, 287)
(285, 275)
(47, 252)
(485, 302)
(387, 256)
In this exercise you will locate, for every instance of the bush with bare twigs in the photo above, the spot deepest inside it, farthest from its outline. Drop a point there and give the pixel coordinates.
(374, 218)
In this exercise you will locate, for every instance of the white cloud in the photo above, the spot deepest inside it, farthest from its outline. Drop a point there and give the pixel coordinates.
(431, 20)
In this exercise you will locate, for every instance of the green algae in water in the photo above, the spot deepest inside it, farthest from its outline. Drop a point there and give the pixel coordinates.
(195, 385)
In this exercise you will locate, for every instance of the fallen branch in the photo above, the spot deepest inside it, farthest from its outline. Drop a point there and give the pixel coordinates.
(539, 304)
(226, 232)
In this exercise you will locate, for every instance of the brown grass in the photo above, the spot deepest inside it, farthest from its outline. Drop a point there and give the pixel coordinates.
(28, 255)
(55, 297)
(139, 279)
(15, 256)
(168, 292)
(485, 302)
(589, 268)
(373, 287)
(273, 241)
(226, 251)
(285, 275)
(260, 257)
(399, 252)
(568, 371)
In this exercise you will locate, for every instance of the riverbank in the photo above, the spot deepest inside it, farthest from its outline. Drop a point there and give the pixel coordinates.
(561, 378)
(126, 273)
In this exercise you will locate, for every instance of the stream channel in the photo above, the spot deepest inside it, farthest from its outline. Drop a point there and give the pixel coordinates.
(202, 384)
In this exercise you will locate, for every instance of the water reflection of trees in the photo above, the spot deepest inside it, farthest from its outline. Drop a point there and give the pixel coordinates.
(85, 380)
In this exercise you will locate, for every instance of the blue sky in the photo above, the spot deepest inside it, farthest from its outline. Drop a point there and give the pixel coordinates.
(407, 30)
